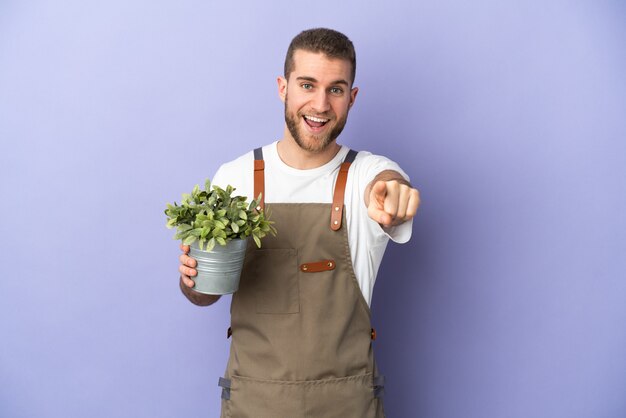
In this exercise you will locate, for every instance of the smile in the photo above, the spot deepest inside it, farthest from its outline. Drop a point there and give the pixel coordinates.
(314, 122)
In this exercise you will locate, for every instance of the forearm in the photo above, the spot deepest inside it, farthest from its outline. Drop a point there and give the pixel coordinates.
(199, 299)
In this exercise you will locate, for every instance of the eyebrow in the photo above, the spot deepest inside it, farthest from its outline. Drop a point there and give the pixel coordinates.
(313, 80)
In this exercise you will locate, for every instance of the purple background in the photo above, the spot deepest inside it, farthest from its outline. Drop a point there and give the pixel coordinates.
(509, 301)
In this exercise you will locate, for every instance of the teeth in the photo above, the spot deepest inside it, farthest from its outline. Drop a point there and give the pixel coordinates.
(314, 119)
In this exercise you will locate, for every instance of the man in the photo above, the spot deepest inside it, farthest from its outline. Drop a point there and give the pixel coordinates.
(300, 321)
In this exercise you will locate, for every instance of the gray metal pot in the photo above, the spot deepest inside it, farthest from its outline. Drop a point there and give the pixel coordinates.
(219, 269)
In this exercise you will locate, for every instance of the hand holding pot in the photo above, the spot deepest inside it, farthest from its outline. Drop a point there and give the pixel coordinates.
(186, 267)
(187, 271)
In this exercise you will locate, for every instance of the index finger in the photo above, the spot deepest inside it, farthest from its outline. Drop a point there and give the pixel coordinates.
(184, 248)
(392, 198)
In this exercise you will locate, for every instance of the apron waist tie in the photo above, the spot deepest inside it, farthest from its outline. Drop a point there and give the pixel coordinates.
(225, 384)
(379, 386)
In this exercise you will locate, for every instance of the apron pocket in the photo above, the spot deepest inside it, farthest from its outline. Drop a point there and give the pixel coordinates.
(346, 397)
(277, 289)
(257, 398)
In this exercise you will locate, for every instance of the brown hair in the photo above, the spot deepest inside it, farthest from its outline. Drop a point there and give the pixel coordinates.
(331, 43)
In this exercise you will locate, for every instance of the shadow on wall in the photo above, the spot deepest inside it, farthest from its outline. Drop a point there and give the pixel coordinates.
(405, 279)
(399, 311)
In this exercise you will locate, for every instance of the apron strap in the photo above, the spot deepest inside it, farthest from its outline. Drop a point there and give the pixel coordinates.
(336, 212)
(259, 178)
(225, 385)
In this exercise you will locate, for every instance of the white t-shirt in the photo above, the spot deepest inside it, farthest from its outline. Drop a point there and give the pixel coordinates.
(285, 184)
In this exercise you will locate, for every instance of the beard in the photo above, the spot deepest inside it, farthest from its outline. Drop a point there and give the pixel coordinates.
(318, 143)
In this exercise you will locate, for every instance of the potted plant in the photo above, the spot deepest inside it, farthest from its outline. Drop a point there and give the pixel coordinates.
(216, 226)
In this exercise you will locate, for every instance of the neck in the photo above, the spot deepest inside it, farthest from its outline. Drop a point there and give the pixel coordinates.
(294, 156)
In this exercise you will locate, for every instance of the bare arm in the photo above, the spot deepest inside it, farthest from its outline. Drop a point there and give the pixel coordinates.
(390, 199)
(187, 271)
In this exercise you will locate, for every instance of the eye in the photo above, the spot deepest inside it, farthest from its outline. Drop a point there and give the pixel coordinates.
(336, 90)
(307, 86)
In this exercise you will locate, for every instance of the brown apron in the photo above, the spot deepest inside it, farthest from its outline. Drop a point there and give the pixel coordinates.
(301, 333)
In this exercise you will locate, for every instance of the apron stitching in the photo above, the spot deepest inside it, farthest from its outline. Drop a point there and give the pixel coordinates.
(357, 377)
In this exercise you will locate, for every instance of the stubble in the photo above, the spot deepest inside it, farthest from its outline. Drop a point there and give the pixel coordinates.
(319, 143)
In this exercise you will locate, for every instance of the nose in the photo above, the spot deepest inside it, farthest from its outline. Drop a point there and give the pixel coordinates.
(320, 102)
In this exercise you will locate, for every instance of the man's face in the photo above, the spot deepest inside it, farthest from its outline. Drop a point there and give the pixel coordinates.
(317, 98)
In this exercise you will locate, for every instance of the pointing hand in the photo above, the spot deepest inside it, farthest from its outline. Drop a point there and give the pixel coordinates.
(392, 202)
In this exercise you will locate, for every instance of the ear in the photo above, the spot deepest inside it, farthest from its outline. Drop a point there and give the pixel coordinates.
(353, 94)
(282, 88)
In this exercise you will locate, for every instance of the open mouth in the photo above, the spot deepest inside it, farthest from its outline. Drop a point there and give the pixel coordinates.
(314, 122)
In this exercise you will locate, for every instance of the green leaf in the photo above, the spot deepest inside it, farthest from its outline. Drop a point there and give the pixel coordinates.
(214, 216)
(189, 240)
(210, 245)
(257, 240)
(182, 235)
